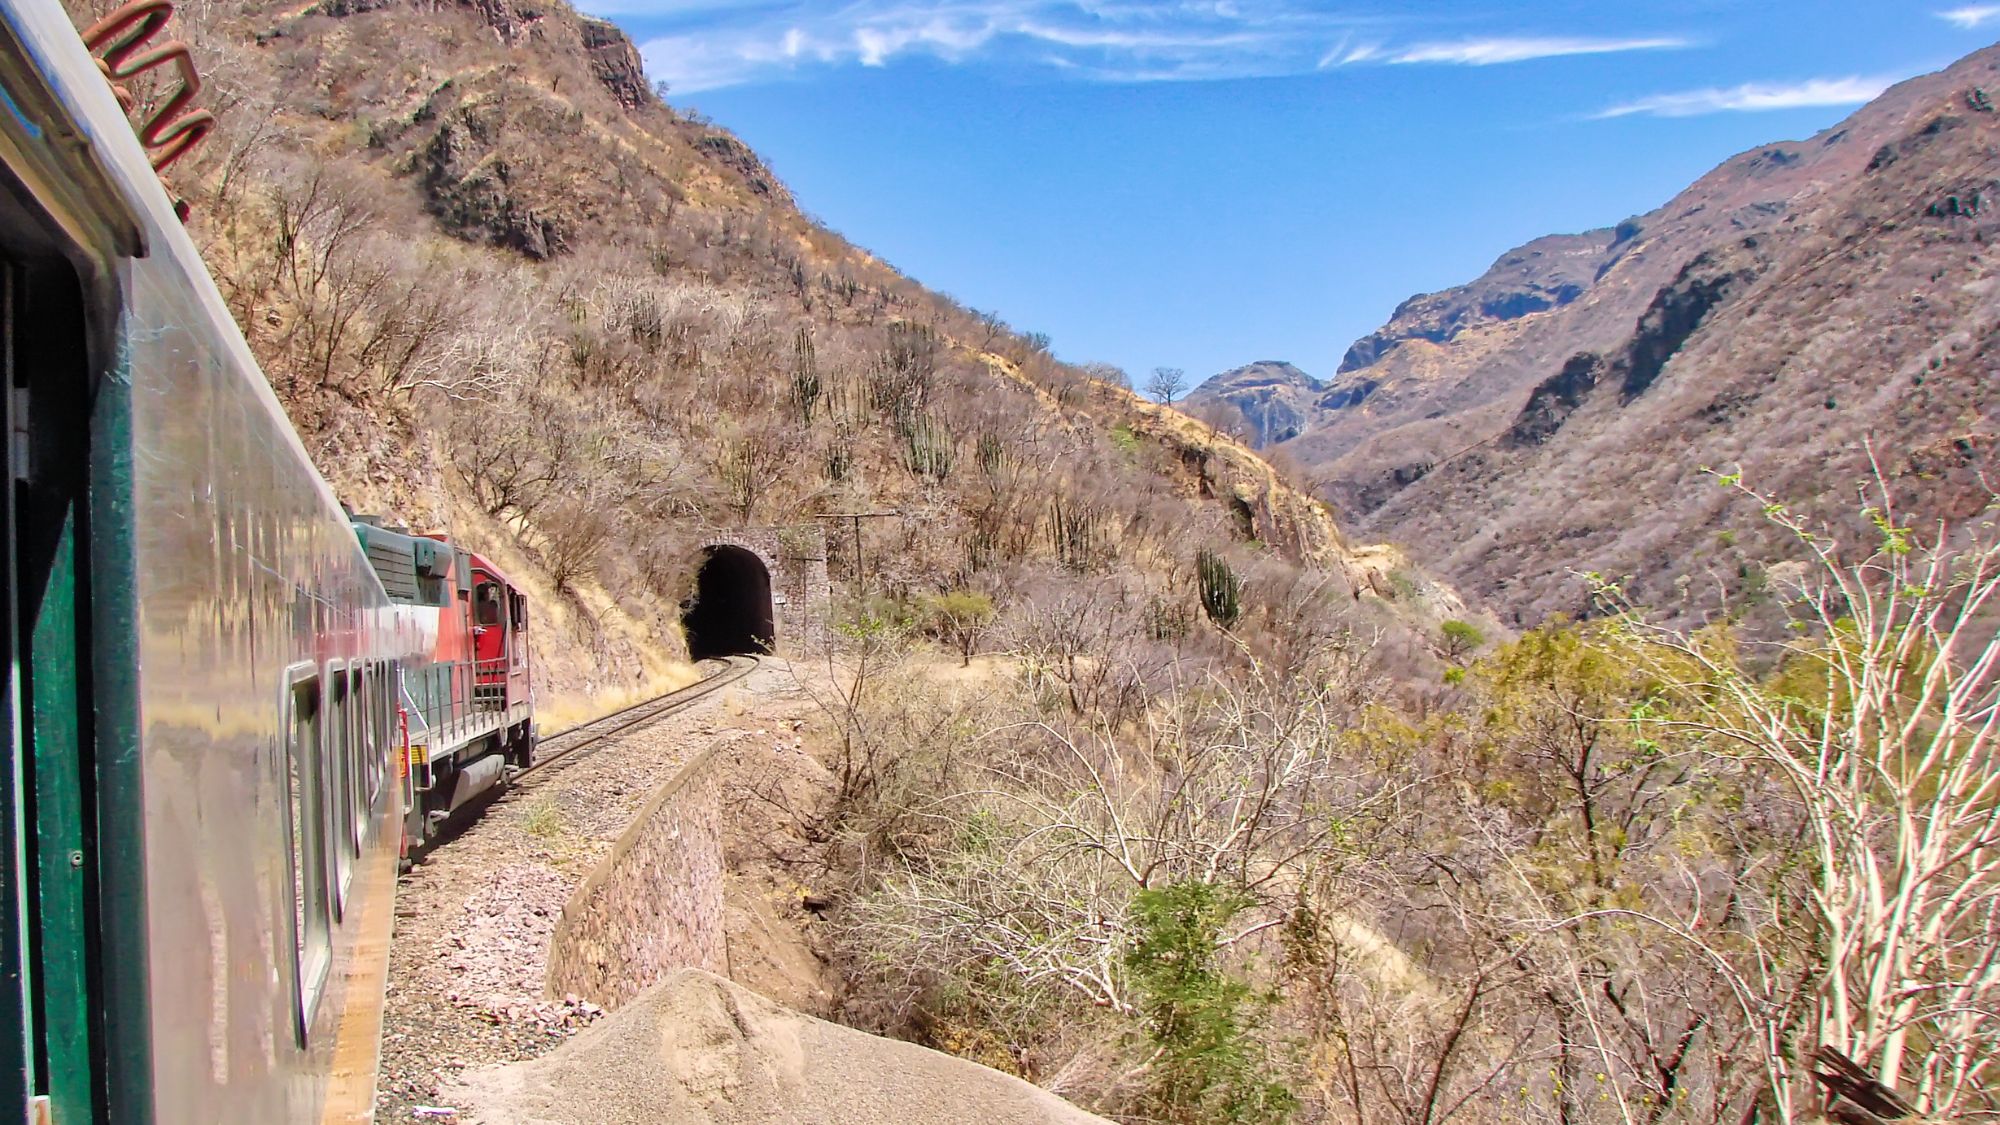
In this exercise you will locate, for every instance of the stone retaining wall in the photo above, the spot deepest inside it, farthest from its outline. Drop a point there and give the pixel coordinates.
(654, 904)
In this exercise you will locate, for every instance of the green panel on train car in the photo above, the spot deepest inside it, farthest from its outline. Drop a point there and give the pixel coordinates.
(62, 923)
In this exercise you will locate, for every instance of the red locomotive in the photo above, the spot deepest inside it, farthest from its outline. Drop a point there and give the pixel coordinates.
(468, 713)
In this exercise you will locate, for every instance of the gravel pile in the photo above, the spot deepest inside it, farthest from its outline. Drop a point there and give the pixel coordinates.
(697, 1049)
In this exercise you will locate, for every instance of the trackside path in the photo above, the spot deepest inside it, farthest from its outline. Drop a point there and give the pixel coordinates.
(473, 920)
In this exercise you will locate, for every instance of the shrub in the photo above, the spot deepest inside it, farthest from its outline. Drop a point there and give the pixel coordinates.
(1209, 1065)
(962, 617)
(1460, 639)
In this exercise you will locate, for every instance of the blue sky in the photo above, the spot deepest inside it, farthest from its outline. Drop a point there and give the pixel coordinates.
(1203, 183)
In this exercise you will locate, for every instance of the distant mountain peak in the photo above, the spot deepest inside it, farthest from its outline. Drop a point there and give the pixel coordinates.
(1264, 402)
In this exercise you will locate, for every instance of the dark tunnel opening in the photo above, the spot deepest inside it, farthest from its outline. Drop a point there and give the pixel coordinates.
(731, 611)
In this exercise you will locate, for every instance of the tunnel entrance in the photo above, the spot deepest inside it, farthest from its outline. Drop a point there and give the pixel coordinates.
(731, 611)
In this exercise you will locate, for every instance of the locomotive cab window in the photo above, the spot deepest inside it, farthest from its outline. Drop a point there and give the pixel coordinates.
(487, 604)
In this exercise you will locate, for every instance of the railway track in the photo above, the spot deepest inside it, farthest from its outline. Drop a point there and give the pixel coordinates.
(557, 751)
(565, 746)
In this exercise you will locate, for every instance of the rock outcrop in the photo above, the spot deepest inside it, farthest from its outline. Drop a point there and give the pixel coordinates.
(1545, 274)
(1264, 402)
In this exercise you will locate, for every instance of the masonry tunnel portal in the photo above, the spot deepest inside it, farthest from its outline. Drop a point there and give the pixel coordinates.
(731, 612)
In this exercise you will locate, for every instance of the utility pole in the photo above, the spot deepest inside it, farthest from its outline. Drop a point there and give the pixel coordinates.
(860, 560)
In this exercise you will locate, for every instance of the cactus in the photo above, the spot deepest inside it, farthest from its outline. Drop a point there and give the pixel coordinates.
(900, 384)
(1221, 589)
(982, 542)
(992, 453)
(1167, 620)
(928, 448)
(806, 387)
(1073, 533)
(840, 452)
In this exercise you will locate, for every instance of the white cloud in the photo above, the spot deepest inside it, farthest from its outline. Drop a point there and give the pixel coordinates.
(1513, 49)
(1972, 15)
(1351, 51)
(1754, 97)
(1104, 40)
(709, 45)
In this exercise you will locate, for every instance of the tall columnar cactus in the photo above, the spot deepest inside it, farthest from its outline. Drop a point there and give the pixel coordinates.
(928, 448)
(992, 453)
(839, 456)
(1073, 532)
(806, 386)
(1221, 589)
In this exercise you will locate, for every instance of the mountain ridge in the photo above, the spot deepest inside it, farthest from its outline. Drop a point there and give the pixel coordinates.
(1455, 418)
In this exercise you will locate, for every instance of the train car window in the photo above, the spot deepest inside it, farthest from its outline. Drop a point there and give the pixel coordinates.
(333, 811)
(487, 604)
(312, 952)
(357, 759)
(378, 735)
(385, 722)
(392, 744)
(520, 613)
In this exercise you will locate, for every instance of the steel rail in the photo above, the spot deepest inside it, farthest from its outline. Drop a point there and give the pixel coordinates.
(589, 734)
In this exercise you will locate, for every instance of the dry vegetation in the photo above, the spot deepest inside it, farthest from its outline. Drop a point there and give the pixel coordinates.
(1214, 841)
(1798, 301)
(1617, 873)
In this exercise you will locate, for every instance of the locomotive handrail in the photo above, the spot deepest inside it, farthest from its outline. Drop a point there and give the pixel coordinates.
(457, 700)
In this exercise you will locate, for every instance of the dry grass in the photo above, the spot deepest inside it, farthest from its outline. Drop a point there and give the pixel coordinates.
(562, 712)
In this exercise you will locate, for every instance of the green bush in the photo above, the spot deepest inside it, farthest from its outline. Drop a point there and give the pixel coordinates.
(1209, 1066)
(1460, 639)
(960, 617)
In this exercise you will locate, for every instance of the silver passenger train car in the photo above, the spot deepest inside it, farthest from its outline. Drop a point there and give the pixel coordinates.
(200, 800)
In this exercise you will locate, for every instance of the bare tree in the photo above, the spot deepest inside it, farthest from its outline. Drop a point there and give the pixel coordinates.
(573, 539)
(1166, 384)
(1109, 373)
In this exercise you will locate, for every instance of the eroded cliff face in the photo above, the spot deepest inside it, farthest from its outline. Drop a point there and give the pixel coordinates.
(1796, 306)
(1545, 274)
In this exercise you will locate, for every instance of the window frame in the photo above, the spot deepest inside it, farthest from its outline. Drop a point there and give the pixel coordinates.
(309, 914)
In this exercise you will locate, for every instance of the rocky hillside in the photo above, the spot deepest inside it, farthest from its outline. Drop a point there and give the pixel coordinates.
(700, 1050)
(1797, 305)
(504, 289)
